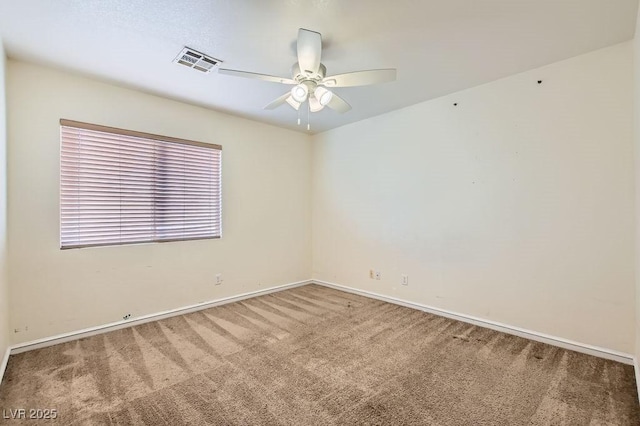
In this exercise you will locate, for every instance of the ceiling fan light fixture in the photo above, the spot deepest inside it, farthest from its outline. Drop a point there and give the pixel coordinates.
(314, 104)
(300, 93)
(323, 95)
(293, 103)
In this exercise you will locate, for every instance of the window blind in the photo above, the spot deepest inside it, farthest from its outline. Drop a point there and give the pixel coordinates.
(123, 187)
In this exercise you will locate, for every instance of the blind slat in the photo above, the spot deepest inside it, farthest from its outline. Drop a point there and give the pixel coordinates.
(119, 188)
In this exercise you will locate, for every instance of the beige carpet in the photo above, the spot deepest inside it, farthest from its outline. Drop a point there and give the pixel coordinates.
(313, 355)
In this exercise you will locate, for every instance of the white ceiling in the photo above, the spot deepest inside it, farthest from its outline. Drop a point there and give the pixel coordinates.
(438, 46)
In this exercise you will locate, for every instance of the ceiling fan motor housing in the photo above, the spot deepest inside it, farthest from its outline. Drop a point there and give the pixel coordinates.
(302, 76)
(307, 80)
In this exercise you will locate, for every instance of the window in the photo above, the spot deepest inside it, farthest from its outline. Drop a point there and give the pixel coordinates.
(124, 187)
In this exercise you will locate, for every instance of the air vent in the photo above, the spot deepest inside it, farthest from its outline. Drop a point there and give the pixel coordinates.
(196, 60)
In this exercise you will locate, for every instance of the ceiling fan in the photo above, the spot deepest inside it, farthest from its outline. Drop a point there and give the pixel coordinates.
(310, 82)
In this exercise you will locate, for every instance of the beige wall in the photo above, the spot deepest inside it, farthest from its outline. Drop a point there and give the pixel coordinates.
(266, 203)
(516, 206)
(636, 139)
(4, 285)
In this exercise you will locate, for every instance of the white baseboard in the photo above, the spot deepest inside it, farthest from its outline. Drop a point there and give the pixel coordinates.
(5, 360)
(516, 331)
(79, 334)
(528, 334)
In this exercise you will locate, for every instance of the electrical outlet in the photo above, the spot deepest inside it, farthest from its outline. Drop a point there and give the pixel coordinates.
(377, 275)
(404, 279)
(371, 273)
(218, 279)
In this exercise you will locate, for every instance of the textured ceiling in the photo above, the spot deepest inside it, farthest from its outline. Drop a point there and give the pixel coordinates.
(438, 46)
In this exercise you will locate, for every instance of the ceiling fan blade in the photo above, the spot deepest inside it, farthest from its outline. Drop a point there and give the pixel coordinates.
(276, 103)
(309, 50)
(254, 75)
(360, 78)
(338, 104)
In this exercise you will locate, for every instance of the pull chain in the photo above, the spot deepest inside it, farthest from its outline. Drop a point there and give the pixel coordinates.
(298, 116)
(308, 115)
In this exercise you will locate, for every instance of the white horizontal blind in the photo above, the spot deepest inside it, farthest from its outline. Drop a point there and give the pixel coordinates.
(122, 187)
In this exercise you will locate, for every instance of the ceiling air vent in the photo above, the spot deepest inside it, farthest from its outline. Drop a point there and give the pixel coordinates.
(196, 60)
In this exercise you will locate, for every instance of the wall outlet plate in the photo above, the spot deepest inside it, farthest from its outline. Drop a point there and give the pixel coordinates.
(404, 279)
(218, 279)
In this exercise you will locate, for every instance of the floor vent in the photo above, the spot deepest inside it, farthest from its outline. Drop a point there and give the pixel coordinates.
(196, 60)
